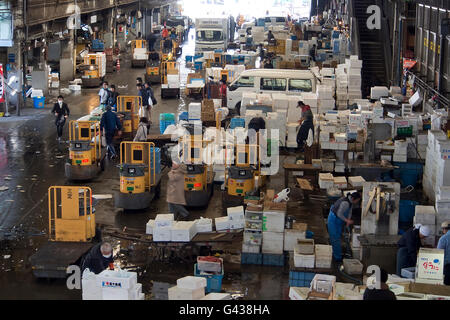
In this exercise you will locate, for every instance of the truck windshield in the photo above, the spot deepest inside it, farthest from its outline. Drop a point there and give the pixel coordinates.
(209, 35)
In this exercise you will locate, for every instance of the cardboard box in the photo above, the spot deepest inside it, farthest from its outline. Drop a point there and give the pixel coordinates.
(430, 264)
(222, 223)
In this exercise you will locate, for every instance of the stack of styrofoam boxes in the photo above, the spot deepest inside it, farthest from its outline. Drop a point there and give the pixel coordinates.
(442, 206)
(406, 110)
(236, 216)
(162, 232)
(160, 290)
(188, 288)
(326, 181)
(248, 98)
(341, 87)
(291, 236)
(426, 215)
(355, 244)
(433, 159)
(325, 98)
(354, 66)
(340, 142)
(365, 117)
(401, 151)
(119, 285)
(327, 128)
(340, 182)
(421, 143)
(378, 114)
(273, 231)
(277, 121)
(195, 111)
(183, 231)
(140, 54)
(55, 80)
(324, 256)
(253, 230)
(303, 48)
(328, 78)
(250, 114)
(311, 100)
(173, 81)
(292, 130)
(203, 225)
(304, 254)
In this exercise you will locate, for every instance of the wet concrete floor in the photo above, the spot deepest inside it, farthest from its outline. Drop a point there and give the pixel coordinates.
(31, 160)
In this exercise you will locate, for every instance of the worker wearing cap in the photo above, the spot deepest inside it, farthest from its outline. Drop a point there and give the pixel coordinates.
(409, 245)
(99, 258)
(340, 215)
(444, 244)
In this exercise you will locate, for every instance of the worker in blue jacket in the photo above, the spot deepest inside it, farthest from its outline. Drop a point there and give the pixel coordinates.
(409, 245)
(109, 124)
(340, 215)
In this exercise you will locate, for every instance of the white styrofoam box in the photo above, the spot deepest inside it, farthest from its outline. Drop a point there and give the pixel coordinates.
(191, 283)
(324, 256)
(292, 129)
(217, 296)
(237, 224)
(176, 293)
(75, 87)
(323, 283)
(298, 293)
(430, 264)
(340, 182)
(353, 266)
(444, 192)
(122, 294)
(290, 238)
(236, 213)
(416, 99)
(273, 221)
(150, 226)
(304, 260)
(183, 231)
(422, 139)
(324, 92)
(222, 223)
(354, 119)
(326, 180)
(327, 104)
(401, 147)
(425, 215)
(340, 137)
(248, 248)
(90, 289)
(164, 220)
(356, 182)
(379, 92)
(195, 110)
(280, 101)
(203, 225)
(117, 279)
(355, 241)
(273, 242)
(162, 234)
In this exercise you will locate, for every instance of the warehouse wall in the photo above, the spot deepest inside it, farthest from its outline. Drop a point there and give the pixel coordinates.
(427, 48)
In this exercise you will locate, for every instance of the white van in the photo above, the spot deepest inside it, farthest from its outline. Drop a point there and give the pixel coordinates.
(291, 82)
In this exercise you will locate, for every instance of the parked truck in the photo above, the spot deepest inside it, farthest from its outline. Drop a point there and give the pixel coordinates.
(212, 34)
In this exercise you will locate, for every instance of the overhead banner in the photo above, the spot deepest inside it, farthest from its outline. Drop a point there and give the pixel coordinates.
(1, 84)
(409, 64)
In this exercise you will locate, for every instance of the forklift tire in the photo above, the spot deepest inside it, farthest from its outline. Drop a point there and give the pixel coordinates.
(102, 164)
(158, 192)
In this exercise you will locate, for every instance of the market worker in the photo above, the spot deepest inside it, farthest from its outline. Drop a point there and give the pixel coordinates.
(306, 124)
(271, 38)
(176, 199)
(382, 294)
(409, 245)
(165, 33)
(99, 258)
(340, 215)
(444, 244)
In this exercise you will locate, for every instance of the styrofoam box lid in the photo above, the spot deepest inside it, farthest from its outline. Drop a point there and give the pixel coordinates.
(235, 210)
(425, 210)
(192, 283)
(222, 219)
(165, 217)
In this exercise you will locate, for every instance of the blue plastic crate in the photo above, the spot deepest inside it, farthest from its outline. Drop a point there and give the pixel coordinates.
(167, 116)
(198, 65)
(303, 276)
(407, 210)
(213, 282)
(189, 58)
(300, 283)
(273, 260)
(237, 123)
(164, 124)
(251, 258)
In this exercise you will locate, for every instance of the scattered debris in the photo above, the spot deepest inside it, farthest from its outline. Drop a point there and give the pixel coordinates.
(6, 256)
(3, 188)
